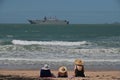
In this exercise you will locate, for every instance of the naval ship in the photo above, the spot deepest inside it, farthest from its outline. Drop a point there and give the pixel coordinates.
(50, 20)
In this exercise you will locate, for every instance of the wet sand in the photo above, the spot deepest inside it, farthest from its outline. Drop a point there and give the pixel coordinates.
(34, 75)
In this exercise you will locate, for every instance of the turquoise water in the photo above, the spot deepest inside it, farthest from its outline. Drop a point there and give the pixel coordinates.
(30, 44)
(58, 32)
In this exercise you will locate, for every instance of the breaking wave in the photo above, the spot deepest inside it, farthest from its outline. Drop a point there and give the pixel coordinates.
(54, 43)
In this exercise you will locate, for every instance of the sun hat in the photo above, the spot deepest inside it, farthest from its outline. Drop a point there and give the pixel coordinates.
(45, 67)
(62, 69)
(78, 62)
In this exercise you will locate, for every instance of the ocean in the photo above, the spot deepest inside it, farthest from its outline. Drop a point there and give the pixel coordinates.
(30, 46)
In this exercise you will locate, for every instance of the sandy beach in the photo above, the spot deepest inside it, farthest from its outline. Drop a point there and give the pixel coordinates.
(34, 75)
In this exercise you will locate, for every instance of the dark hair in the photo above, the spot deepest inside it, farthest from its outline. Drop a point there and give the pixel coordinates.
(79, 73)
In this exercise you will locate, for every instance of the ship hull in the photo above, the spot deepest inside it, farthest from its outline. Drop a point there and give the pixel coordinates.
(48, 22)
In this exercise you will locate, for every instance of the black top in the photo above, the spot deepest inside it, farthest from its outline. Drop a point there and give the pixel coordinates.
(45, 73)
(79, 73)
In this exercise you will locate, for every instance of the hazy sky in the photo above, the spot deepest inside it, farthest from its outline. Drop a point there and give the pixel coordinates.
(76, 11)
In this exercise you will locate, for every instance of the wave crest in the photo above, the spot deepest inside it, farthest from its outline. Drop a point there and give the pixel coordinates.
(54, 43)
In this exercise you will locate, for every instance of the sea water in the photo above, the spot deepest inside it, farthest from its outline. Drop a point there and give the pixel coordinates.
(29, 46)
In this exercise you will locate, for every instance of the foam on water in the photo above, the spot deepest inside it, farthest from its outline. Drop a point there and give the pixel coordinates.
(24, 45)
(95, 64)
(58, 49)
(58, 52)
(59, 60)
(59, 43)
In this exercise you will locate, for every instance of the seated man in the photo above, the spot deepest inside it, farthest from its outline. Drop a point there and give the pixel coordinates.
(45, 71)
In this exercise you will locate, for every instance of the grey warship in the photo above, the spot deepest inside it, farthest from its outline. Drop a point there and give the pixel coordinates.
(50, 20)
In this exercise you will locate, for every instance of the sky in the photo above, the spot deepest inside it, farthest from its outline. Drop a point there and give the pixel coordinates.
(75, 11)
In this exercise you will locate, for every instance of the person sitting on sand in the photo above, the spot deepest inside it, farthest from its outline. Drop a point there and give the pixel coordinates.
(62, 72)
(79, 68)
(45, 71)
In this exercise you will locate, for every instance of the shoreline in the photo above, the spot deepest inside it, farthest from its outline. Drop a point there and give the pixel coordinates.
(89, 67)
(90, 75)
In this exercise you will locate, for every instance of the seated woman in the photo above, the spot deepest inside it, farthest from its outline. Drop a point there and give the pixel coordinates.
(79, 68)
(62, 72)
(45, 71)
